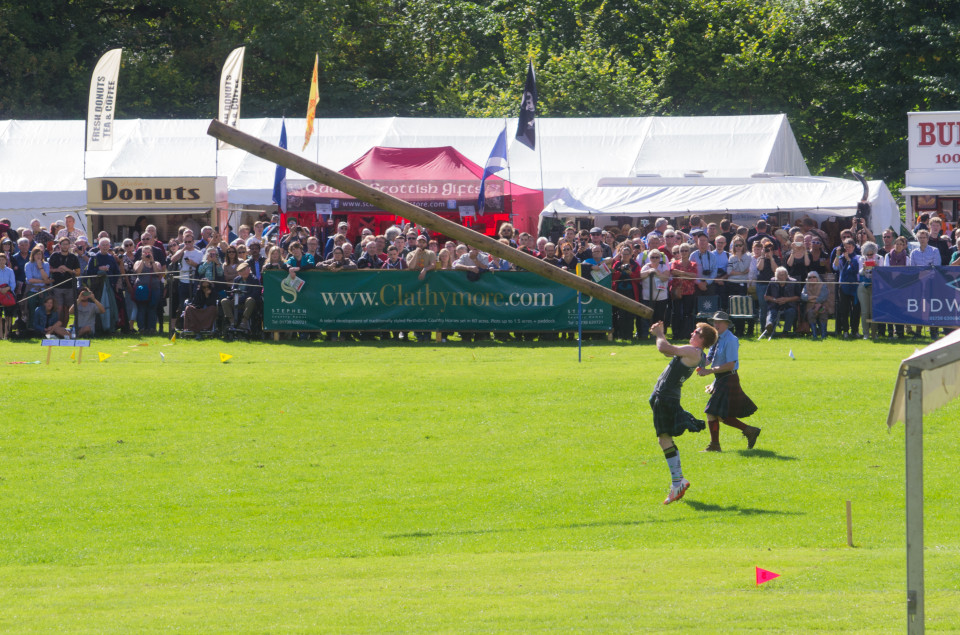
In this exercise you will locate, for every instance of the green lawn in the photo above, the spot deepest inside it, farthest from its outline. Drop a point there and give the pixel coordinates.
(318, 487)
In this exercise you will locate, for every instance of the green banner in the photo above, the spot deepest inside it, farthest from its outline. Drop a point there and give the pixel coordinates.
(443, 301)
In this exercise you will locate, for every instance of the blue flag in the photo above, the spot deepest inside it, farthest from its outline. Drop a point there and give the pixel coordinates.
(496, 162)
(280, 176)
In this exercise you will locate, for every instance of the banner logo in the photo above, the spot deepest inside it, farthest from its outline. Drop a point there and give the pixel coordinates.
(287, 289)
(925, 296)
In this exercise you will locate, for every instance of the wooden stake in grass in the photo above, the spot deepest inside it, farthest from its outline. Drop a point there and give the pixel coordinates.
(849, 525)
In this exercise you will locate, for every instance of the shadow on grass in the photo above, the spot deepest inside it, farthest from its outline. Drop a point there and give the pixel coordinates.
(508, 530)
(766, 454)
(736, 509)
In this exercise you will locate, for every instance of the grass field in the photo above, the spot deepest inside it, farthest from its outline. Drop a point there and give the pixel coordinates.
(317, 487)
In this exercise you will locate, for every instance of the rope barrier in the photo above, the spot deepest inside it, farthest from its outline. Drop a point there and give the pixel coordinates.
(172, 275)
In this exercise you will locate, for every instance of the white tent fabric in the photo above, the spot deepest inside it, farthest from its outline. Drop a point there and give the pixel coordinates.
(43, 163)
(41, 168)
(719, 147)
(680, 197)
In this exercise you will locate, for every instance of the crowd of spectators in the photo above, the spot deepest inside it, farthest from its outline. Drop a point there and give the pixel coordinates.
(61, 284)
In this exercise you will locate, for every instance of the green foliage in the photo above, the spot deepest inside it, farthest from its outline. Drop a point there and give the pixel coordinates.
(875, 61)
(844, 71)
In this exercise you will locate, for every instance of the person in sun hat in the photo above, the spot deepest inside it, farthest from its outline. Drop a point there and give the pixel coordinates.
(727, 401)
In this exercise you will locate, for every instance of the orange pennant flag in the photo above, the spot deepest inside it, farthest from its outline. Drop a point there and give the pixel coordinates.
(312, 103)
(765, 576)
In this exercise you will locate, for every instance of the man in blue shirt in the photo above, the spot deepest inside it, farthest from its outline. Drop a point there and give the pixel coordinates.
(727, 399)
(707, 261)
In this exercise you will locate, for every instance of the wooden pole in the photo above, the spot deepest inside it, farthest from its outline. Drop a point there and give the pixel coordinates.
(849, 525)
(421, 216)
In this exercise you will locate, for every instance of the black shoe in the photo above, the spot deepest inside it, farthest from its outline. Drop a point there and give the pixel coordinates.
(751, 433)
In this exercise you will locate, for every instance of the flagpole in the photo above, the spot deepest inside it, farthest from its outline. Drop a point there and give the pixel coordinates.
(579, 322)
(508, 195)
(540, 151)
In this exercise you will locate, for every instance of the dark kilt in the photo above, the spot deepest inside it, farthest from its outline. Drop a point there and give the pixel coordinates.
(728, 398)
(670, 418)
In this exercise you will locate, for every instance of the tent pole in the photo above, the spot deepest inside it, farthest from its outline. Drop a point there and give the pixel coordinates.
(913, 426)
(508, 195)
(540, 153)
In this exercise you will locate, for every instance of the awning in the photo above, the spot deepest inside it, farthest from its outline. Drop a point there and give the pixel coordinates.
(930, 190)
(152, 211)
(673, 197)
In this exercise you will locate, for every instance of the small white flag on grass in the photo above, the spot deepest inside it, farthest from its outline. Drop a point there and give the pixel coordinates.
(791, 355)
(162, 358)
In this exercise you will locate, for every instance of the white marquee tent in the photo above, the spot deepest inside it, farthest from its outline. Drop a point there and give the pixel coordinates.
(43, 164)
(818, 197)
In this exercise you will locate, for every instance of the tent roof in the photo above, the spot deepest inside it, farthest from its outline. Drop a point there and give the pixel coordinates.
(681, 197)
(43, 164)
(416, 164)
(412, 163)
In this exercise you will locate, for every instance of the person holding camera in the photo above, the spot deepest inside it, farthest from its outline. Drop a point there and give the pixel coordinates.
(147, 289)
(766, 263)
(847, 265)
(706, 261)
(85, 312)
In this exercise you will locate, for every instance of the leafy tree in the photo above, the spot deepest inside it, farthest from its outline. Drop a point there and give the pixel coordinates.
(876, 60)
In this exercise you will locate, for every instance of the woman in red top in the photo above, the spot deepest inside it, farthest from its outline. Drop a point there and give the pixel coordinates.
(683, 273)
(626, 281)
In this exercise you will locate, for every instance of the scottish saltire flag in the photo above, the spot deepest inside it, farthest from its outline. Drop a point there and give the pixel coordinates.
(496, 162)
(280, 176)
(526, 125)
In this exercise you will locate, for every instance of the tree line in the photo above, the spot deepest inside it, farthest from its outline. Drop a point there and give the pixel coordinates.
(846, 72)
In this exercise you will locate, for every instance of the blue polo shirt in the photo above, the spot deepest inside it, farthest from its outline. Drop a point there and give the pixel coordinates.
(727, 349)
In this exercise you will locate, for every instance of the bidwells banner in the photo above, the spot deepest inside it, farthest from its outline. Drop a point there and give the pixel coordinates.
(927, 296)
(443, 301)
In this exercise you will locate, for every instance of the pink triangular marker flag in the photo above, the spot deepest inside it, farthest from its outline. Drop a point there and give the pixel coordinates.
(765, 576)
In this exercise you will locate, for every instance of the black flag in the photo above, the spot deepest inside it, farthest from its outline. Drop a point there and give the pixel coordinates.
(526, 126)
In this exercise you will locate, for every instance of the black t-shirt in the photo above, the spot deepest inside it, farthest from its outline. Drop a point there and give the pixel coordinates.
(798, 270)
(766, 274)
(57, 259)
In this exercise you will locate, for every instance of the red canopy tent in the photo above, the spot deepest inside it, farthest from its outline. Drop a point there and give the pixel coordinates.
(440, 180)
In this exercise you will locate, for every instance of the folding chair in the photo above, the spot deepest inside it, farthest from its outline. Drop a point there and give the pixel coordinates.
(741, 308)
